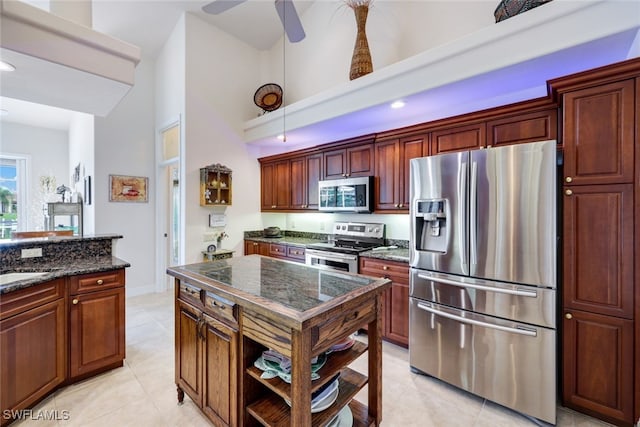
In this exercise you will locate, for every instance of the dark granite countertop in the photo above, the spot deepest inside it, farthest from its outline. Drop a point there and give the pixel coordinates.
(398, 254)
(11, 243)
(287, 240)
(292, 290)
(56, 270)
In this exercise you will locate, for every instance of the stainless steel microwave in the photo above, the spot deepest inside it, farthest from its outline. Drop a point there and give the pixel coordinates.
(346, 195)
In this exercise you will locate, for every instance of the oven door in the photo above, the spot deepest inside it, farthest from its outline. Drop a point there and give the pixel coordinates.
(331, 260)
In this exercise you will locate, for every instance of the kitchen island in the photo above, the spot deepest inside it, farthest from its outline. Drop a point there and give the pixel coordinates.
(229, 311)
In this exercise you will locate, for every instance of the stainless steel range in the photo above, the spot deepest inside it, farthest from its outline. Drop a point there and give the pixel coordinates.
(348, 240)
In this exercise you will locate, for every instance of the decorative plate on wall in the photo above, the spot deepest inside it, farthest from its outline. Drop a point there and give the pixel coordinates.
(268, 97)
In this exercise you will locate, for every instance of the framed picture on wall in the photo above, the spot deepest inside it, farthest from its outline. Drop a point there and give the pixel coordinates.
(124, 188)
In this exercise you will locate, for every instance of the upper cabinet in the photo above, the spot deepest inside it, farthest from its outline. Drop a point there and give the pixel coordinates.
(349, 162)
(598, 134)
(522, 128)
(275, 185)
(459, 138)
(215, 185)
(306, 172)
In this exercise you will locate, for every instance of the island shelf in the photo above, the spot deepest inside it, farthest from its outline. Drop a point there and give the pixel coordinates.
(297, 310)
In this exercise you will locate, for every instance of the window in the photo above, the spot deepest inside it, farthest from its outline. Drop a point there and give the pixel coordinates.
(13, 195)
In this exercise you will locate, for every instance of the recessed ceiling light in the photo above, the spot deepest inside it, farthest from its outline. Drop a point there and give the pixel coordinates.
(5, 66)
(397, 104)
(282, 137)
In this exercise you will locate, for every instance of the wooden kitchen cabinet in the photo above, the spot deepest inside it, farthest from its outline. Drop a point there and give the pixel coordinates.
(275, 185)
(597, 360)
(96, 322)
(598, 134)
(392, 171)
(206, 345)
(349, 162)
(522, 128)
(251, 247)
(306, 172)
(396, 299)
(33, 342)
(459, 138)
(215, 185)
(599, 222)
(598, 249)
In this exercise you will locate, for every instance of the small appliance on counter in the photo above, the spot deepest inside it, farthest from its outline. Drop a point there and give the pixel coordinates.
(271, 232)
(347, 241)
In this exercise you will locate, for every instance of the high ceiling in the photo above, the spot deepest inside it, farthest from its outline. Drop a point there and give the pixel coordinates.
(147, 24)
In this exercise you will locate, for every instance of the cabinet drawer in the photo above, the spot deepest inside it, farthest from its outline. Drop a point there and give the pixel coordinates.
(220, 308)
(96, 281)
(190, 294)
(380, 268)
(295, 252)
(342, 324)
(22, 300)
(277, 250)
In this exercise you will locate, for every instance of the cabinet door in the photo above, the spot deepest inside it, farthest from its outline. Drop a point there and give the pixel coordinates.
(251, 248)
(598, 134)
(387, 175)
(188, 358)
(598, 249)
(220, 376)
(360, 160)
(314, 175)
(34, 348)
(298, 183)
(275, 185)
(96, 331)
(397, 319)
(597, 361)
(527, 127)
(410, 148)
(335, 164)
(460, 138)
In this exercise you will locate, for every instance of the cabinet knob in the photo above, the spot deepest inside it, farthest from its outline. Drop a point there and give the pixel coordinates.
(401, 205)
(568, 316)
(75, 301)
(568, 192)
(273, 206)
(568, 179)
(397, 205)
(99, 281)
(255, 244)
(384, 267)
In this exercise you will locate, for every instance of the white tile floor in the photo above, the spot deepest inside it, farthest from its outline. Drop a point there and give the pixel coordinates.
(142, 393)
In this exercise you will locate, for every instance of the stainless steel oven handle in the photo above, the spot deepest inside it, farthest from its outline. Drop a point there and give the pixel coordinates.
(528, 332)
(520, 293)
(323, 255)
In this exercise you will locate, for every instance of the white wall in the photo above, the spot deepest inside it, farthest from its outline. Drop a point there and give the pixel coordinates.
(124, 145)
(81, 152)
(48, 150)
(396, 30)
(220, 82)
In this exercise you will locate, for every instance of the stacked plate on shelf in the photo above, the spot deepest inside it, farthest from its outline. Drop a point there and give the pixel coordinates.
(344, 418)
(274, 364)
(325, 396)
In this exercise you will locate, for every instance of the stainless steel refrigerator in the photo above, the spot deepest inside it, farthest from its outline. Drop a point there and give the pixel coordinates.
(484, 272)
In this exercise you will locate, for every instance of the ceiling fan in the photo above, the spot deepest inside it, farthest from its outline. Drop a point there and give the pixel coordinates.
(285, 8)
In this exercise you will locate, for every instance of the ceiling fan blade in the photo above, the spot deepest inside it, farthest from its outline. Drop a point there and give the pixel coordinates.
(219, 6)
(290, 20)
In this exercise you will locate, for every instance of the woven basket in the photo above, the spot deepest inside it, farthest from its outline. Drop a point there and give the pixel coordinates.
(508, 8)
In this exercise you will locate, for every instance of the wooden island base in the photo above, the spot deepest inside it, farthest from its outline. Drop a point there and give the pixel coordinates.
(223, 325)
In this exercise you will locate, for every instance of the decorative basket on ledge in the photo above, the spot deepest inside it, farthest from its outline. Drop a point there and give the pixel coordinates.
(508, 8)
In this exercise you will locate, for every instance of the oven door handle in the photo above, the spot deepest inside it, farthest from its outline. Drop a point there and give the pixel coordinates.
(331, 258)
(517, 292)
(528, 332)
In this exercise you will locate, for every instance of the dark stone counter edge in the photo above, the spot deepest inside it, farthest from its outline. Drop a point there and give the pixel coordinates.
(57, 271)
(37, 241)
(399, 255)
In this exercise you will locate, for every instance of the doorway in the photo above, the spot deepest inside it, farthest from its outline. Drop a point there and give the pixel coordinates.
(170, 251)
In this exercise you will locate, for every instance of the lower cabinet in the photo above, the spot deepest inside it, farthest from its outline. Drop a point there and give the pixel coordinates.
(260, 248)
(33, 345)
(597, 361)
(275, 250)
(96, 331)
(396, 300)
(206, 356)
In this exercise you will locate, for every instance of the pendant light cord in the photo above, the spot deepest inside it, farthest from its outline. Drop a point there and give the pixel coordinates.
(284, 77)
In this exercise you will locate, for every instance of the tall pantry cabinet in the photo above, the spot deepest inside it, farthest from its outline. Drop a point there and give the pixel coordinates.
(600, 267)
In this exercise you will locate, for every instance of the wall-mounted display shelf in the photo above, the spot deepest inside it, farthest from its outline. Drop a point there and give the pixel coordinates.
(215, 185)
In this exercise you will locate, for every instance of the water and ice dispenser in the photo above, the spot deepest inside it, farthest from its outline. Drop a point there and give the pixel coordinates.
(431, 225)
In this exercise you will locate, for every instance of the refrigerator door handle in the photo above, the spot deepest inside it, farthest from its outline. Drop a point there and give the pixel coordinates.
(527, 332)
(473, 212)
(462, 175)
(518, 292)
